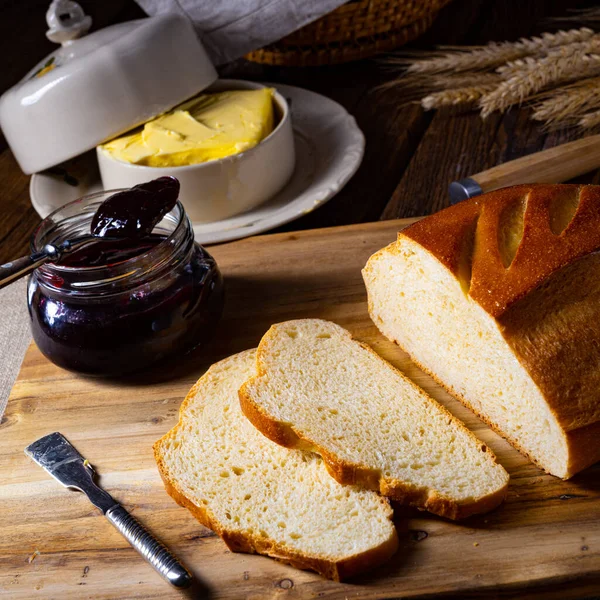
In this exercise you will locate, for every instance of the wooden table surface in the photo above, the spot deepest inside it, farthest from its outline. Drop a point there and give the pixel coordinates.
(543, 542)
(411, 156)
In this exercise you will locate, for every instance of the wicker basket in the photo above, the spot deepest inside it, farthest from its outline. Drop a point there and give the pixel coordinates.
(355, 30)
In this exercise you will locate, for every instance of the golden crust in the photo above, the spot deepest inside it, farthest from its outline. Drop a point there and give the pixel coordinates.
(238, 541)
(555, 334)
(540, 254)
(583, 448)
(362, 475)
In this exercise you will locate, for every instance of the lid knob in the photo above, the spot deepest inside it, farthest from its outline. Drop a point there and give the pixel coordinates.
(66, 21)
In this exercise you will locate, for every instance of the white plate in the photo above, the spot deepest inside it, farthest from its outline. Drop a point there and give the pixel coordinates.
(329, 150)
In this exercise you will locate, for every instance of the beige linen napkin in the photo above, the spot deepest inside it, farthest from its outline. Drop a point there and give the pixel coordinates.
(15, 336)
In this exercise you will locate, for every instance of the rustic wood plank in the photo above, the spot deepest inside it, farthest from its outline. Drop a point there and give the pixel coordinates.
(545, 537)
(477, 145)
(18, 217)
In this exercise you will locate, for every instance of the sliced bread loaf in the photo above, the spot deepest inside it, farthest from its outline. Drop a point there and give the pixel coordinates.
(260, 497)
(318, 389)
(498, 298)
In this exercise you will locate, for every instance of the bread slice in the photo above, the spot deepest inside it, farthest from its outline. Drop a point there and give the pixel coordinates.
(318, 389)
(498, 298)
(260, 497)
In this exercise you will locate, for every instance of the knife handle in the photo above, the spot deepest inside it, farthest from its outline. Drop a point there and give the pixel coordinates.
(553, 165)
(149, 547)
(19, 267)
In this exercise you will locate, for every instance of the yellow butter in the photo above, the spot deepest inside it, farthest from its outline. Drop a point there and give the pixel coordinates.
(207, 127)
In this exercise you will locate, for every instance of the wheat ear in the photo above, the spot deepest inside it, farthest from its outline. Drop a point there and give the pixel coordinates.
(463, 97)
(517, 67)
(494, 54)
(418, 87)
(568, 104)
(590, 120)
(537, 74)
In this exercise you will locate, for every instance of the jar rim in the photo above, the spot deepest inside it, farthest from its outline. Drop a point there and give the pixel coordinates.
(181, 218)
(73, 220)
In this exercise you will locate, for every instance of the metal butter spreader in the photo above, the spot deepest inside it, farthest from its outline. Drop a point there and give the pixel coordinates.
(58, 457)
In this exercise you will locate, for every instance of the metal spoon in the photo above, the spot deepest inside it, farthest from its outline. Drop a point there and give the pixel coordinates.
(130, 214)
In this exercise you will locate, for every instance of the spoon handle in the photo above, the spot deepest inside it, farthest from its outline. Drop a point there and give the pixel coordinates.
(15, 269)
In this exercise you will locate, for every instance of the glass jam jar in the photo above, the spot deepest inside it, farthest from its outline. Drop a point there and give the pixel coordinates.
(115, 307)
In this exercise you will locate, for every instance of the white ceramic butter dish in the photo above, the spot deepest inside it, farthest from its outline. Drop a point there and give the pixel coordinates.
(218, 189)
(328, 147)
(99, 86)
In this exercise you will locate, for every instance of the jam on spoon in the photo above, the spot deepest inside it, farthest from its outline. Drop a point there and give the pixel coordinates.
(123, 224)
(134, 213)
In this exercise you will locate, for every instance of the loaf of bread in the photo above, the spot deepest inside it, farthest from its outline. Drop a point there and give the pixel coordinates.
(498, 299)
(318, 389)
(260, 497)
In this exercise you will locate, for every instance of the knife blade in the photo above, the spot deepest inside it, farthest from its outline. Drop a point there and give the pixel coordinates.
(55, 454)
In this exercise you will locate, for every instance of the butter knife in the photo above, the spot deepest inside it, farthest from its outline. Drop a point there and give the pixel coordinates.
(58, 457)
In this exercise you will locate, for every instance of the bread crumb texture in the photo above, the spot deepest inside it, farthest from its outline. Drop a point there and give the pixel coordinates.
(261, 497)
(319, 389)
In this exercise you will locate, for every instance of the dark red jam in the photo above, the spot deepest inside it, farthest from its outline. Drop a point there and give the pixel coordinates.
(114, 307)
(98, 254)
(134, 213)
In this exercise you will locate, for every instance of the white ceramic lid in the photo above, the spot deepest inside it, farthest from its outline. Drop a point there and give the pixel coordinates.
(101, 85)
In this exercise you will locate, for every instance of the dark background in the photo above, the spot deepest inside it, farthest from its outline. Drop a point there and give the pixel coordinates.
(411, 156)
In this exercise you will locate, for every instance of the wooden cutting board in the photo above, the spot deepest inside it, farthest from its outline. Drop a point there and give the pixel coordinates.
(54, 544)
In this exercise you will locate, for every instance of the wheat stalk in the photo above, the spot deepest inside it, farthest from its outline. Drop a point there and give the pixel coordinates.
(568, 104)
(417, 87)
(581, 15)
(590, 120)
(463, 97)
(538, 74)
(516, 67)
(461, 80)
(431, 83)
(492, 55)
(499, 75)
